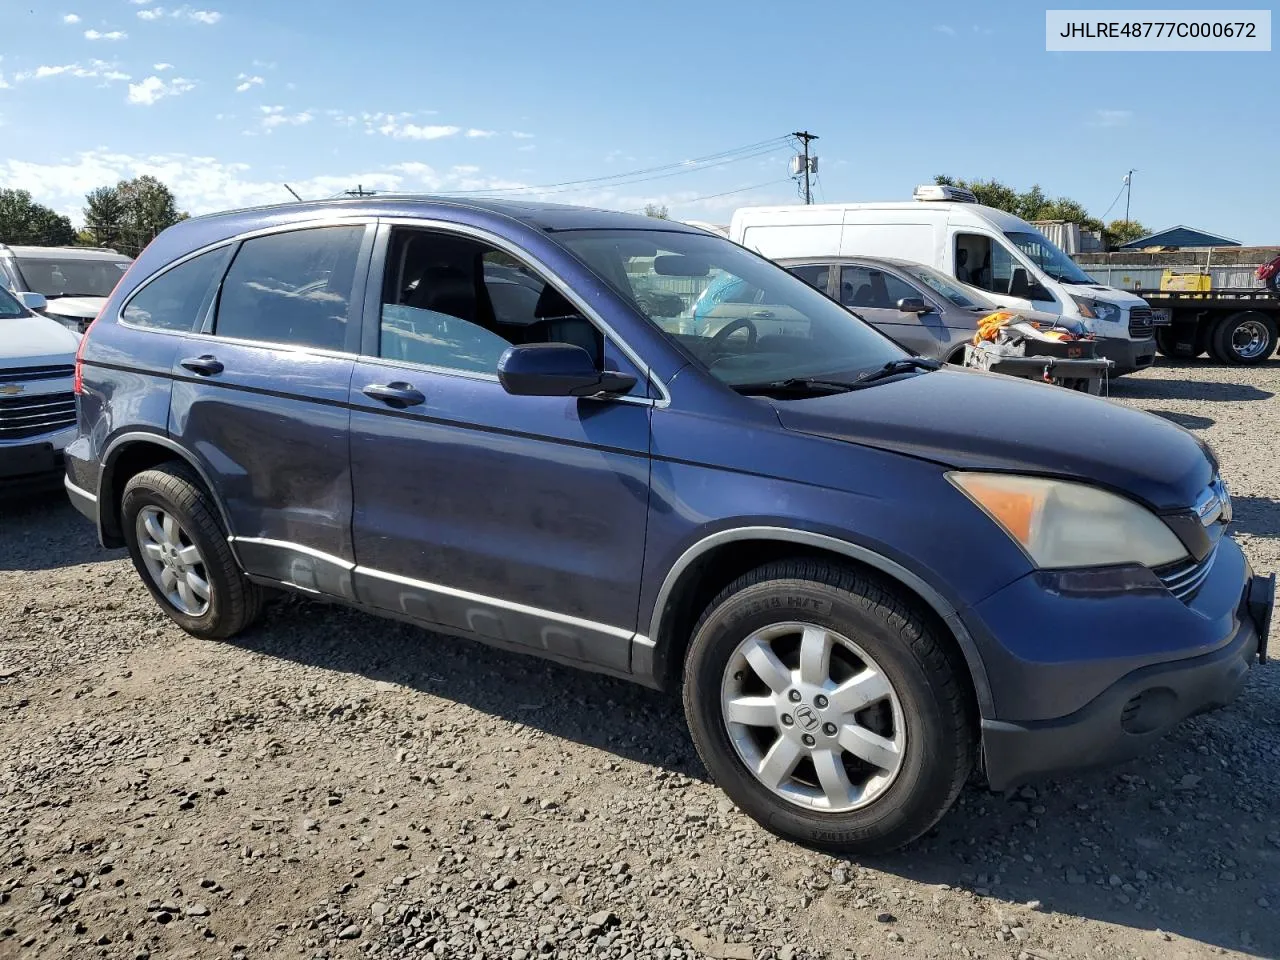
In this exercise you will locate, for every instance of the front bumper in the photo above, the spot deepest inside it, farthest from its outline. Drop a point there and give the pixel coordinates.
(1136, 710)
(1128, 355)
(33, 464)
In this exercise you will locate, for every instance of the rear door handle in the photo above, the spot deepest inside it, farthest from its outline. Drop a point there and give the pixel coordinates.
(396, 394)
(206, 365)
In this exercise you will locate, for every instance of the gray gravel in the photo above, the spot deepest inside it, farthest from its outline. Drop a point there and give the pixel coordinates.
(331, 785)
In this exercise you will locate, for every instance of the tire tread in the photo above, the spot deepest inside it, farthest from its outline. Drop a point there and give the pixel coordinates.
(179, 484)
(943, 661)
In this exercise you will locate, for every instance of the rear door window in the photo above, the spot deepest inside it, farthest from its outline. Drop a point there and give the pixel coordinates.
(870, 288)
(179, 298)
(293, 288)
(814, 274)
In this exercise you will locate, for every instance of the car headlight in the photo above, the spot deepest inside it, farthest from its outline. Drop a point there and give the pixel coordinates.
(1098, 309)
(1060, 524)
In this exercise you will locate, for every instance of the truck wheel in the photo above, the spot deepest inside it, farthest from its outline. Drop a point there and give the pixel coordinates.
(1181, 342)
(180, 550)
(828, 708)
(1244, 338)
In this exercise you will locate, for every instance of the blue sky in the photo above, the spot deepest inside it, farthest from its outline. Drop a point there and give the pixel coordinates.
(227, 99)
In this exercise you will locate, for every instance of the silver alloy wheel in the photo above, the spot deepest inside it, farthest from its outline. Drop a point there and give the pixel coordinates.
(813, 717)
(1249, 339)
(173, 561)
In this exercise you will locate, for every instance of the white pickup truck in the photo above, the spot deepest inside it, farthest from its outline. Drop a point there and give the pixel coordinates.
(37, 399)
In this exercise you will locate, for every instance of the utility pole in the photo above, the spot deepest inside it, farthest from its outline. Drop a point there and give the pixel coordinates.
(804, 136)
(1128, 189)
(360, 191)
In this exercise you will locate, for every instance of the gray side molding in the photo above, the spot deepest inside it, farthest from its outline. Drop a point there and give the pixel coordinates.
(645, 654)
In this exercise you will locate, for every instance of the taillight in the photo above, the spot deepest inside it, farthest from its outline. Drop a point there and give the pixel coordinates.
(77, 384)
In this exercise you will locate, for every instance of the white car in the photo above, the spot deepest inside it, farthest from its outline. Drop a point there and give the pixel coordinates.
(37, 398)
(74, 281)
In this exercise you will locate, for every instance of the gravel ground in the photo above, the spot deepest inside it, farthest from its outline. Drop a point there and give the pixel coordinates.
(331, 785)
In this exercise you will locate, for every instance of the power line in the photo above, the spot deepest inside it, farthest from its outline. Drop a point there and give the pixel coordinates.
(1113, 202)
(726, 193)
(658, 176)
(683, 166)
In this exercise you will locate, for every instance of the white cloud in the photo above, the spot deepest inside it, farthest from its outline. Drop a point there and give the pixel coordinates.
(161, 67)
(1112, 118)
(246, 82)
(205, 184)
(153, 88)
(943, 28)
(71, 18)
(208, 17)
(521, 135)
(93, 70)
(273, 117)
(394, 125)
(113, 35)
(475, 133)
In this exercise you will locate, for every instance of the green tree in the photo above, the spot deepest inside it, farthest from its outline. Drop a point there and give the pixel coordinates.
(22, 221)
(1031, 204)
(1122, 231)
(658, 210)
(104, 216)
(147, 207)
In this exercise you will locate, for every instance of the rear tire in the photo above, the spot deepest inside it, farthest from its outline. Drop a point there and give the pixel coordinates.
(180, 550)
(853, 775)
(1244, 339)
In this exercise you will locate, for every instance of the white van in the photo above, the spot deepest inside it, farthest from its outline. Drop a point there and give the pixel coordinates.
(945, 228)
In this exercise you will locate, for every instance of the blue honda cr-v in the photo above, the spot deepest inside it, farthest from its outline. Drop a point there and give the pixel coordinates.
(867, 574)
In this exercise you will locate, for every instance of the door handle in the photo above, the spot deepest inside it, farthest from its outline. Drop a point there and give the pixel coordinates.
(396, 394)
(206, 365)
(762, 315)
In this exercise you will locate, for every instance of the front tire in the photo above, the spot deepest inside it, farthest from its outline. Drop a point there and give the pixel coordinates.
(828, 708)
(1183, 342)
(180, 550)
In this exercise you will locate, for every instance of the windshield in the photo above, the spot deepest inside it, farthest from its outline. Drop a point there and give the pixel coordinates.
(9, 306)
(72, 276)
(744, 319)
(940, 284)
(1049, 258)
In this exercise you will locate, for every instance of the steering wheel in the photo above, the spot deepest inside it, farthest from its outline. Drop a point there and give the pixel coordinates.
(732, 327)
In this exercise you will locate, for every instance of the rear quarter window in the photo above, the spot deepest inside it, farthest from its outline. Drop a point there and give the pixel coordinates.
(178, 298)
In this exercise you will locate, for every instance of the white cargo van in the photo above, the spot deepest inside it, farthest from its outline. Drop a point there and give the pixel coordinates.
(945, 228)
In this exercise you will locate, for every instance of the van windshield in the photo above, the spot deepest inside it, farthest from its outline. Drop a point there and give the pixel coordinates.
(1049, 258)
(744, 319)
(9, 306)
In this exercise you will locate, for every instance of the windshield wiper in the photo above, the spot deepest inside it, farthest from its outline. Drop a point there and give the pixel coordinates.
(795, 385)
(895, 367)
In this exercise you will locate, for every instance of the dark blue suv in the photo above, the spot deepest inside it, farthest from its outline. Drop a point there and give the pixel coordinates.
(867, 574)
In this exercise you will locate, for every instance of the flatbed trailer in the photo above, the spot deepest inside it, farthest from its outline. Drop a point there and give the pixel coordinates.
(1232, 326)
(1236, 320)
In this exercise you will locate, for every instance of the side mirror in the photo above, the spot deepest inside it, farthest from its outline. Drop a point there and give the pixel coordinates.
(557, 370)
(32, 300)
(914, 305)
